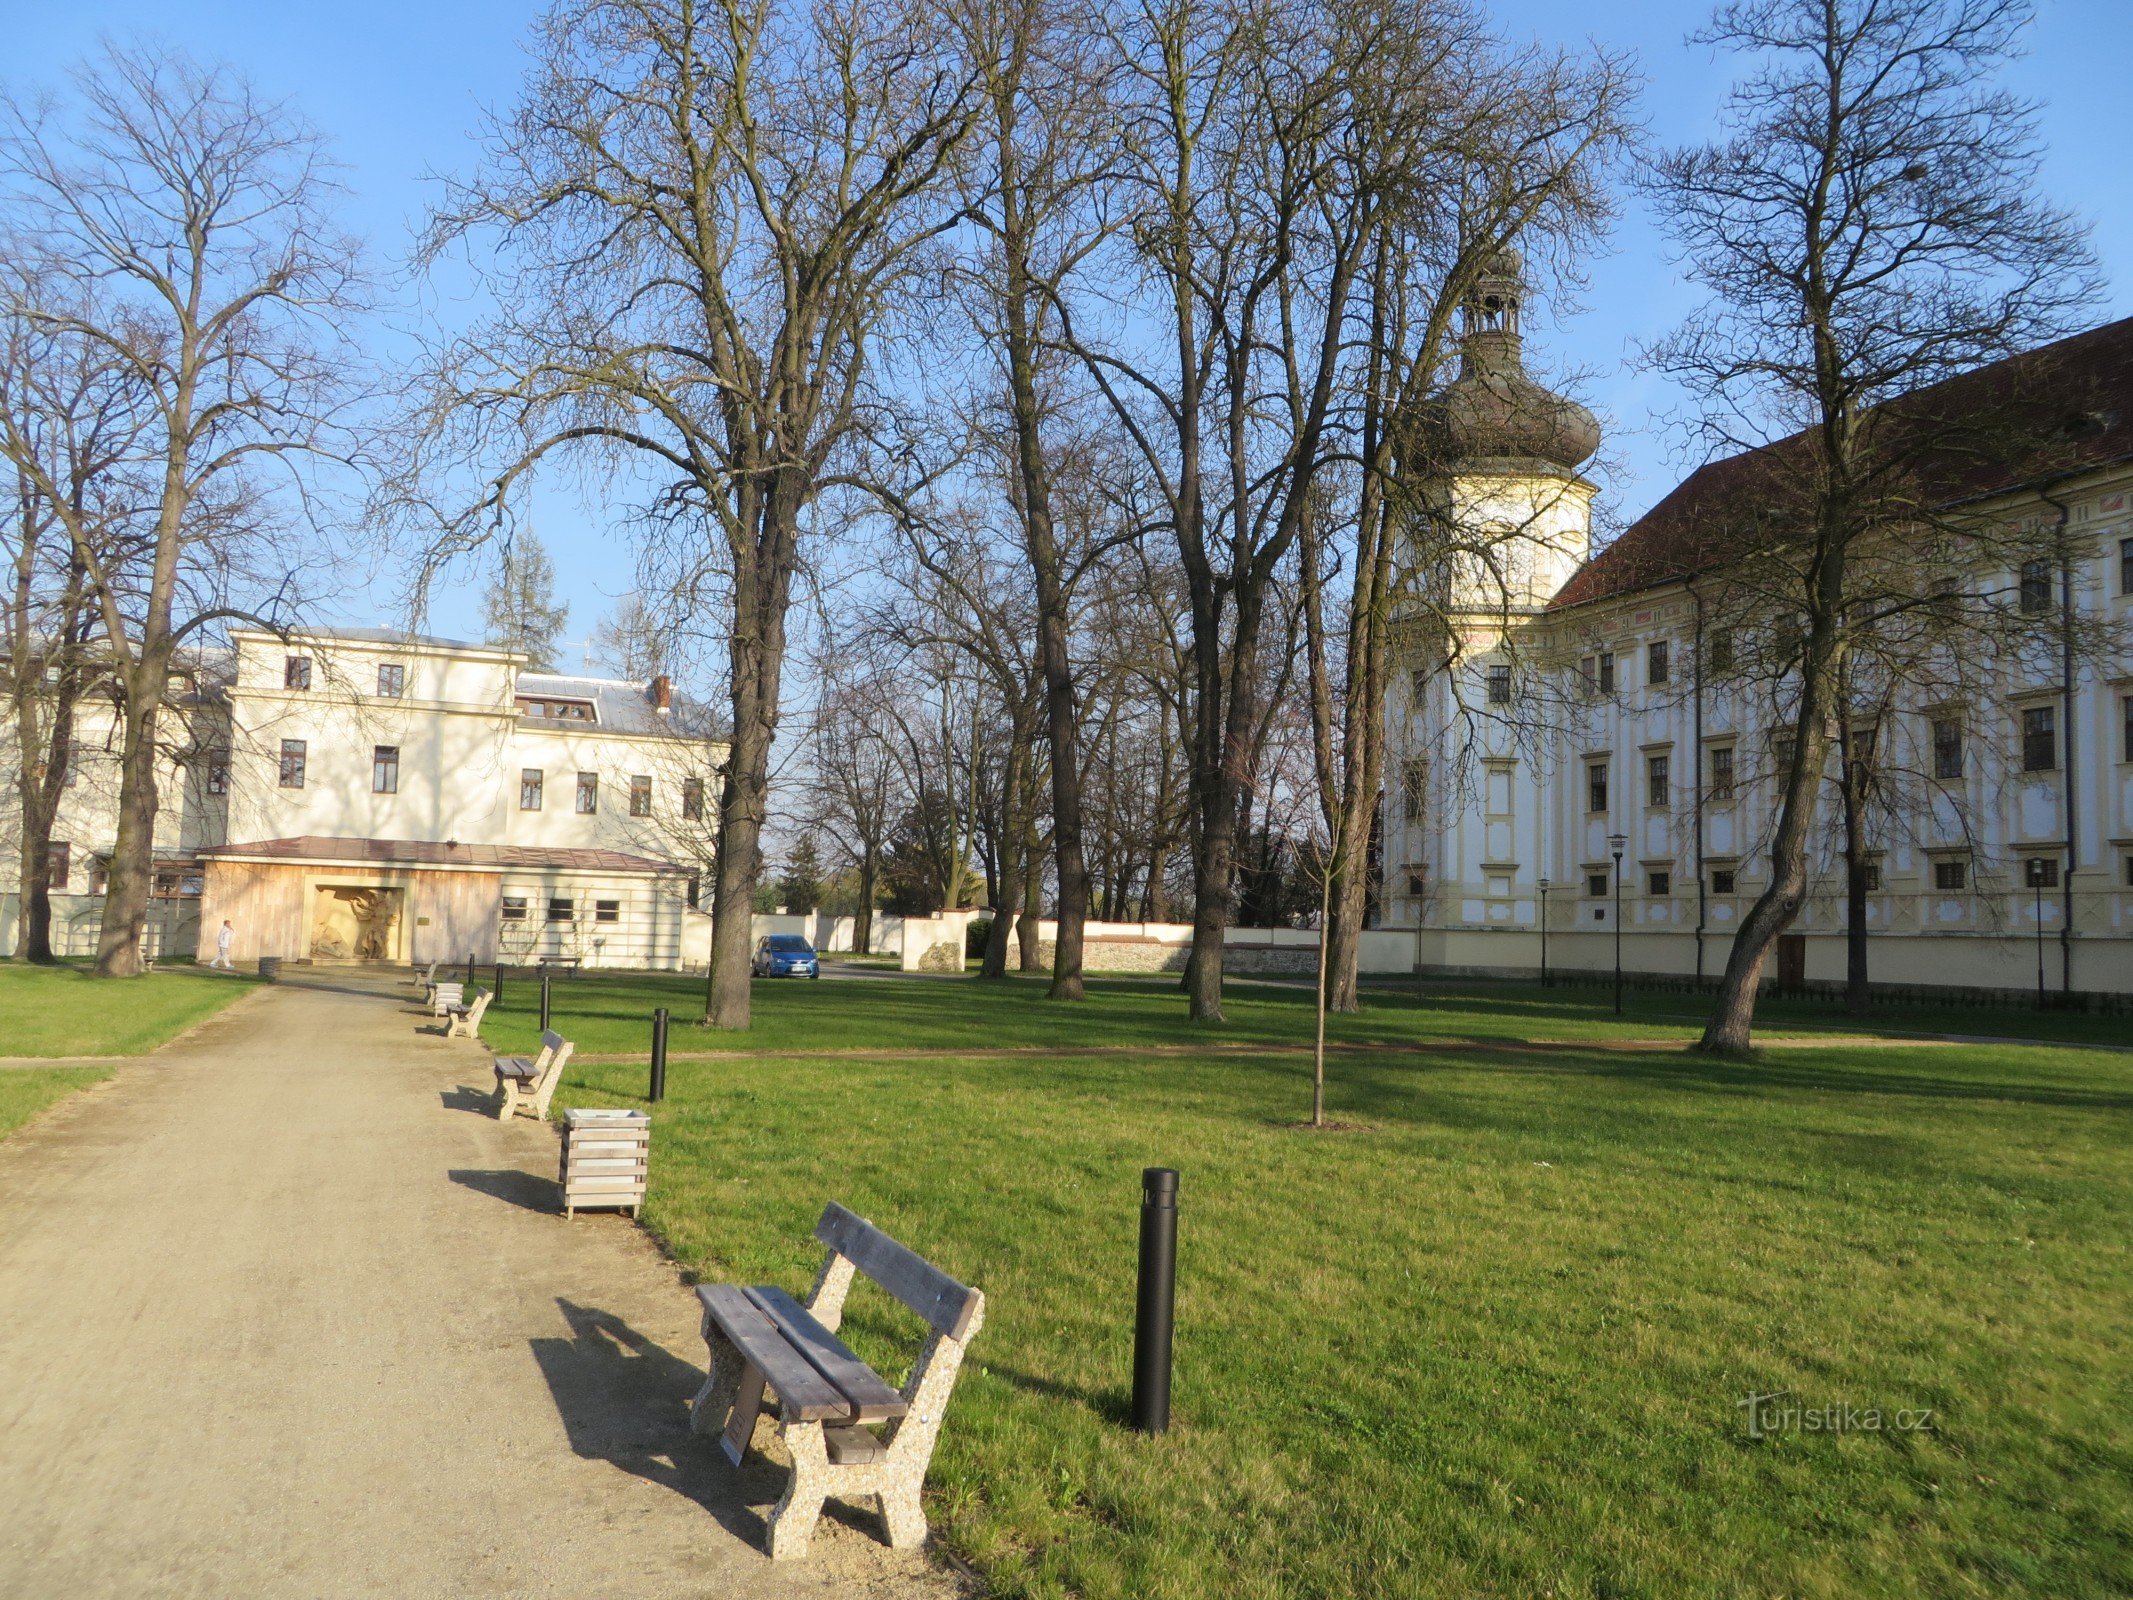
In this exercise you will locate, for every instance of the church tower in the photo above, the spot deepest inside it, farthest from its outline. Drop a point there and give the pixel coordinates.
(1504, 521)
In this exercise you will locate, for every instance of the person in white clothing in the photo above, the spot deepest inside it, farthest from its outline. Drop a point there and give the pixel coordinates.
(225, 936)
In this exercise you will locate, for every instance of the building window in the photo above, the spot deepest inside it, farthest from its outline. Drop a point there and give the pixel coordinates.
(1607, 672)
(59, 865)
(607, 911)
(1722, 772)
(529, 789)
(1722, 650)
(2036, 587)
(1656, 664)
(1722, 880)
(73, 758)
(218, 772)
(2125, 566)
(561, 910)
(2125, 732)
(292, 763)
(559, 710)
(1944, 603)
(1656, 785)
(588, 793)
(514, 908)
(1947, 748)
(1950, 876)
(2040, 739)
(1659, 883)
(2042, 872)
(1499, 685)
(1596, 885)
(1414, 788)
(1871, 873)
(392, 680)
(640, 797)
(1596, 786)
(1783, 747)
(1417, 883)
(1417, 686)
(385, 769)
(296, 672)
(692, 799)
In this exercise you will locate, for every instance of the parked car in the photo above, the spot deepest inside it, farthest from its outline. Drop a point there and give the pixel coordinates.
(785, 955)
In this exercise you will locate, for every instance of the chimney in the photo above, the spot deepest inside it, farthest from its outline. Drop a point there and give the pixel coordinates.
(662, 691)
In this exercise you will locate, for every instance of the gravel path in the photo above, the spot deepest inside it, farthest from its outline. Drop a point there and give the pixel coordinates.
(288, 1313)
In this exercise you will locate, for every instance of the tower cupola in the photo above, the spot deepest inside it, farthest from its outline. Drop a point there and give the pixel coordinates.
(1492, 417)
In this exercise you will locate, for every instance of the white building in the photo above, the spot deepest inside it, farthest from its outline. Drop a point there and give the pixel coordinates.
(362, 794)
(1588, 706)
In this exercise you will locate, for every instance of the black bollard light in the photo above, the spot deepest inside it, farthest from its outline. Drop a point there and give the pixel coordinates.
(545, 975)
(1158, 1293)
(659, 1056)
(497, 998)
(470, 974)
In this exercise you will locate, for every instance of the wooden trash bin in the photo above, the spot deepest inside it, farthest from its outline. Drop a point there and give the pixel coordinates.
(606, 1156)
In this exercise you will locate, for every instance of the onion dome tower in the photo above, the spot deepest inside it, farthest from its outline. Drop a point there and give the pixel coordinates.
(1501, 453)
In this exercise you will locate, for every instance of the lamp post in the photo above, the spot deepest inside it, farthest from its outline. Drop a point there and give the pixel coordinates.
(1546, 982)
(2036, 882)
(1617, 843)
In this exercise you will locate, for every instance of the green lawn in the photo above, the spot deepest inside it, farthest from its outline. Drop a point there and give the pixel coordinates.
(1495, 1343)
(609, 1013)
(63, 1011)
(25, 1091)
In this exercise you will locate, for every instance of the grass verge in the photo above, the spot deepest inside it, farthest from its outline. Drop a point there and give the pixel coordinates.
(25, 1091)
(1494, 1343)
(63, 1011)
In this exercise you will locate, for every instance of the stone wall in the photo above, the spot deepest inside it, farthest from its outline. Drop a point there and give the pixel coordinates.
(942, 956)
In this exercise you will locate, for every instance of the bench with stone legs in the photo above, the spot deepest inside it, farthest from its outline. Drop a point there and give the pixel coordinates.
(829, 1402)
(463, 1021)
(426, 977)
(529, 1082)
(443, 996)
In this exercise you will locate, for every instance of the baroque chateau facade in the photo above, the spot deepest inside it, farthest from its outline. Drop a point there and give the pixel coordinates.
(371, 795)
(1578, 753)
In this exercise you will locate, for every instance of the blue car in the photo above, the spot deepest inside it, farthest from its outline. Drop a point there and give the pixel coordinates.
(785, 955)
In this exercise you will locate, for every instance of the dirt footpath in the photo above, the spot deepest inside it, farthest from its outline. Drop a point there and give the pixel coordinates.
(284, 1311)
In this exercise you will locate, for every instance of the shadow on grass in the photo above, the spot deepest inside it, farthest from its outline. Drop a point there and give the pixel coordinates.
(1107, 1404)
(1372, 1085)
(509, 1184)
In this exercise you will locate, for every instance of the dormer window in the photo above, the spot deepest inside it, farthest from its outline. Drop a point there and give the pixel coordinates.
(556, 710)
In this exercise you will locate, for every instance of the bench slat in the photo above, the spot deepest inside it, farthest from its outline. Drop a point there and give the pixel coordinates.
(804, 1393)
(947, 1306)
(872, 1399)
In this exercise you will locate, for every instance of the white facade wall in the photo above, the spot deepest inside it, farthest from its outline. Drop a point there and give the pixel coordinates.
(1485, 802)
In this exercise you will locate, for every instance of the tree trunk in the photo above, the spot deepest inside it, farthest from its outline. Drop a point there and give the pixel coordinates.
(1855, 951)
(863, 923)
(132, 875)
(758, 660)
(994, 964)
(41, 781)
(1729, 1031)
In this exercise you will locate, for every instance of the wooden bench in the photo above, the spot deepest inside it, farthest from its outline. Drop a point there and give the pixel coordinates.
(427, 977)
(463, 1021)
(567, 963)
(828, 1400)
(531, 1083)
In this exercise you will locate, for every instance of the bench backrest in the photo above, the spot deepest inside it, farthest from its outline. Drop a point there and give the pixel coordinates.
(482, 997)
(948, 1307)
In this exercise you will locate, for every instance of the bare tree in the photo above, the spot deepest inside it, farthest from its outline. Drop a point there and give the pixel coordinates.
(201, 213)
(706, 210)
(1865, 227)
(70, 420)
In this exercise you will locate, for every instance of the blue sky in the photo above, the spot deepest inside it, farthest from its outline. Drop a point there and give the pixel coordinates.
(398, 85)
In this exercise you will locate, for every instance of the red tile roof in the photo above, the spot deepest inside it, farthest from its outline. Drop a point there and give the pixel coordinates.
(2076, 393)
(435, 853)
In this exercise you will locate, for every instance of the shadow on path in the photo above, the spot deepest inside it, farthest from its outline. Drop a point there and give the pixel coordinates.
(508, 1183)
(625, 1400)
